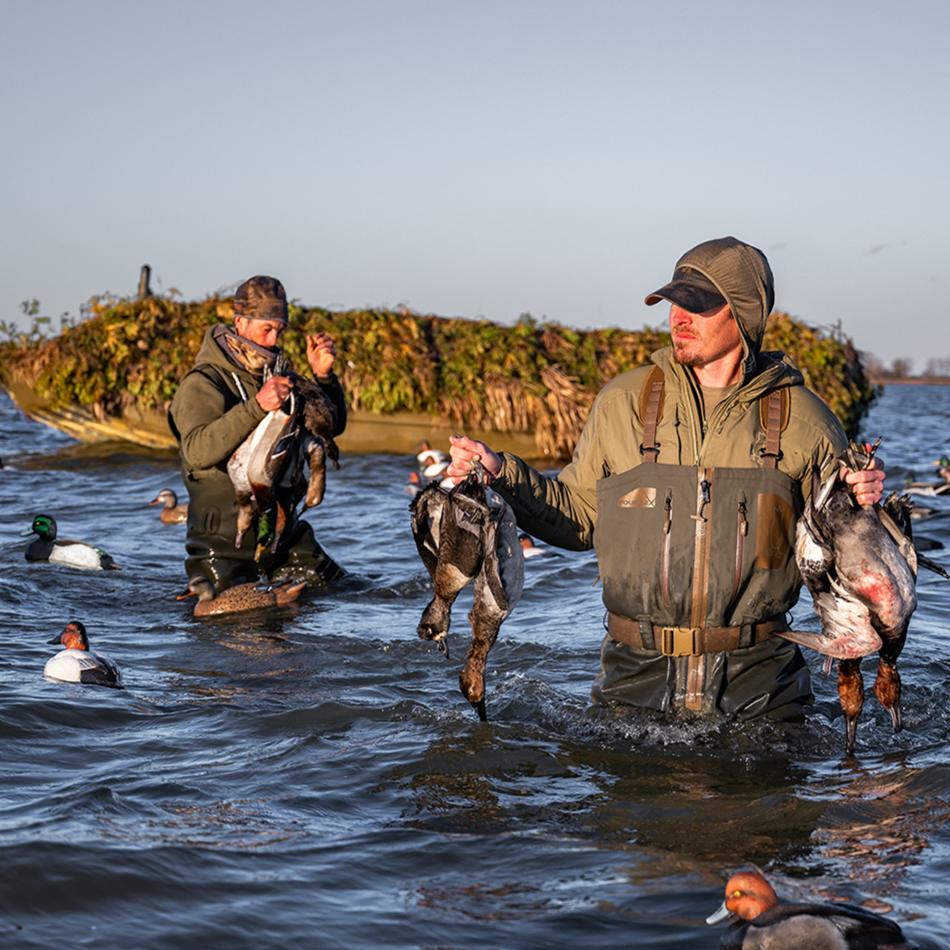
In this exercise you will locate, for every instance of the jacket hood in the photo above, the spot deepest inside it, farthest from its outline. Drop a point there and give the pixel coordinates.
(213, 351)
(741, 274)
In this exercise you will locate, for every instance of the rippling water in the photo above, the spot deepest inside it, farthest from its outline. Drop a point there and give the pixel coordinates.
(314, 777)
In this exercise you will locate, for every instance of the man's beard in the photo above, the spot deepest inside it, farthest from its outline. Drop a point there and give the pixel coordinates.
(685, 360)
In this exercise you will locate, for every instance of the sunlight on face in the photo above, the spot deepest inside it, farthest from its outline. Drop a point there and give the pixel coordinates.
(702, 338)
(262, 332)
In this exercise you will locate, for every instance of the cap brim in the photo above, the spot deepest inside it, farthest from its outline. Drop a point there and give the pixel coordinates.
(691, 299)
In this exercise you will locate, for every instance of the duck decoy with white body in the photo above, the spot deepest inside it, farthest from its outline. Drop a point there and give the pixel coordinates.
(931, 489)
(426, 456)
(943, 468)
(464, 535)
(47, 547)
(239, 598)
(765, 924)
(172, 512)
(77, 663)
(860, 566)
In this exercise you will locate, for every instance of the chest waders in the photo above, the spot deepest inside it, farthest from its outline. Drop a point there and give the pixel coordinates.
(698, 560)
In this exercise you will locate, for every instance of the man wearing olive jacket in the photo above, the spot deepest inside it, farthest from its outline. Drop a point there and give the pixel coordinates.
(219, 403)
(688, 480)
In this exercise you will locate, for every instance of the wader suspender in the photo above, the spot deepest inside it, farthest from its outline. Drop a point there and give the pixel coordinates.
(773, 414)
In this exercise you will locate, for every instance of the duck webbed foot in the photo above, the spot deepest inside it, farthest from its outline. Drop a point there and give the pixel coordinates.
(887, 689)
(851, 694)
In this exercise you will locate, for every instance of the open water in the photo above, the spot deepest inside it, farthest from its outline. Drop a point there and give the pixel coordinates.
(314, 778)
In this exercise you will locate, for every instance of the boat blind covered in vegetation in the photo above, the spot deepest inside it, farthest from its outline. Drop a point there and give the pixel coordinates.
(528, 387)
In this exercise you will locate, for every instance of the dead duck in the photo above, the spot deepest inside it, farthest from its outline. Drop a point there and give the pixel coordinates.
(172, 512)
(77, 663)
(860, 566)
(239, 598)
(763, 922)
(466, 535)
(47, 547)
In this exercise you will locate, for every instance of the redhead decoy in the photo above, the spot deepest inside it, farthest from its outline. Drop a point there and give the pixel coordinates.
(239, 598)
(77, 663)
(47, 547)
(765, 924)
(172, 512)
(464, 535)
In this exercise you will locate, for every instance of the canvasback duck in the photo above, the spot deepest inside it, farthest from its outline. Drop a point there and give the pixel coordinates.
(47, 547)
(860, 566)
(429, 456)
(77, 663)
(464, 535)
(172, 512)
(765, 924)
(239, 598)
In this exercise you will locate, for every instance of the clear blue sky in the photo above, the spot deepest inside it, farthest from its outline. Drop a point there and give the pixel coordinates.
(481, 159)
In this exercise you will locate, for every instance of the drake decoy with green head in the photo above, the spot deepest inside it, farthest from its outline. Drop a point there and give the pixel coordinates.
(239, 598)
(466, 535)
(47, 547)
(172, 512)
(943, 468)
(77, 663)
(765, 924)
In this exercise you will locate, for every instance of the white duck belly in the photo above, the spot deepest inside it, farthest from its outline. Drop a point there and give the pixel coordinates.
(82, 666)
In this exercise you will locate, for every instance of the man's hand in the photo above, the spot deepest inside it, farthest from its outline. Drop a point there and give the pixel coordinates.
(465, 452)
(321, 354)
(272, 394)
(868, 486)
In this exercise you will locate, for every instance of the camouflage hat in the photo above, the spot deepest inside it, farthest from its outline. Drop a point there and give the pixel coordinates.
(261, 298)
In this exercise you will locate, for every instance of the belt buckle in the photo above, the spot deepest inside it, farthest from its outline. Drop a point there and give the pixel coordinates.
(678, 641)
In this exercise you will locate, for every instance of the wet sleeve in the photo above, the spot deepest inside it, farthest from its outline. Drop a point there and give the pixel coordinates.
(209, 432)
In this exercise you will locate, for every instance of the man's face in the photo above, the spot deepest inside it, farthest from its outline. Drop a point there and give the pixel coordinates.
(703, 338)
(262, 332)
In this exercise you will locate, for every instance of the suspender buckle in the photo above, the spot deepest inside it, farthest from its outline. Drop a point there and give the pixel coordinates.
(679, 641)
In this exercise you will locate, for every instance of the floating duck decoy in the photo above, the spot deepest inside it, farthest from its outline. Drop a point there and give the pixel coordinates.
(239, 598)
(77, 663)
(932, 489)
(429, 456)
(529, 548)
(172, 512)
(413, 485)
(435, 472)
(47, 547)
(464, 535)
(860, 566)
(765, 924)
(943, 468)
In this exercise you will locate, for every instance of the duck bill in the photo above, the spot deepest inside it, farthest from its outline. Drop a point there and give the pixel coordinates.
(27, 533)
(722, 914)
(57, 639)
(187, 593)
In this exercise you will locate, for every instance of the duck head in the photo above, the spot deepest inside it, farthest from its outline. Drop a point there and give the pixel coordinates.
(44, 526)
(73, 636)
(748, 894)
(199, 586)
(166, 497)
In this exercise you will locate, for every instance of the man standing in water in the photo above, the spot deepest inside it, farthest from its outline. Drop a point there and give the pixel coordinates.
(218, 404)
(688, 480)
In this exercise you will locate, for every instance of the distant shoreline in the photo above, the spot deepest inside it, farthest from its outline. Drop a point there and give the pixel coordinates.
(912, 381)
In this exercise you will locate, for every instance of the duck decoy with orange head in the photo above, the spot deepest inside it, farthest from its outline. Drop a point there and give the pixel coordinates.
(766, 924)
(77, 663)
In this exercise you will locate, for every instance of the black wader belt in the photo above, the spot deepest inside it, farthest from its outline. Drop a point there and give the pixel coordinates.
(693, 641)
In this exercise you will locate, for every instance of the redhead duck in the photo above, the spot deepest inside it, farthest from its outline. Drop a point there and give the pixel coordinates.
(77, 663)
(765, 924)
(429, 456)
(464, 535)
(47, 547)
(239, 598)
(172, 512)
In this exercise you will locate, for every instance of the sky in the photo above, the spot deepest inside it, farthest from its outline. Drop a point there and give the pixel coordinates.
(481, 159)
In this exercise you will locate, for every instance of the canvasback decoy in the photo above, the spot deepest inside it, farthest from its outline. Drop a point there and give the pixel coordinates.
(765, 924)
(77, 663)
(240, 597)
(430, 456)
(47, 547)
(464, 535)
(529, 548)
(172, 512)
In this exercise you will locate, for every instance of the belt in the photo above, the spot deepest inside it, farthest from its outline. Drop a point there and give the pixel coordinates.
(692, 641)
